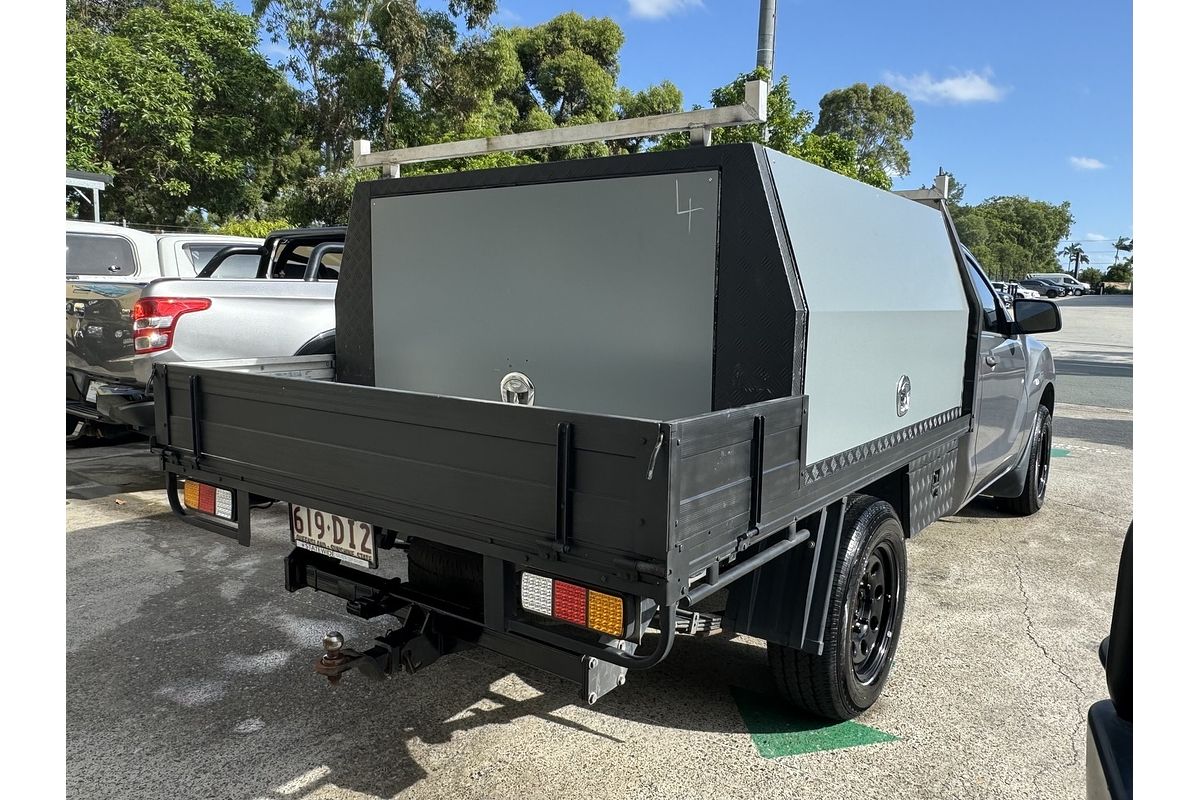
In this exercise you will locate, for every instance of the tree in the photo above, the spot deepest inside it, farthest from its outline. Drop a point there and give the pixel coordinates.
(256, 228)
(1075, 256)
(787, 131)
(1120, 272)
(562, 72)
(878, 119)
(1123, 244)
(1091, 276)
(172, 98)
(1013, 236)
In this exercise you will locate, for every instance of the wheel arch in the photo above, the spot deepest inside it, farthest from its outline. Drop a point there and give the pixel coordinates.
(1047, 397)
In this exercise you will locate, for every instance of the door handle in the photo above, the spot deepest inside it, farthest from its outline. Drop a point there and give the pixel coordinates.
(990, 360)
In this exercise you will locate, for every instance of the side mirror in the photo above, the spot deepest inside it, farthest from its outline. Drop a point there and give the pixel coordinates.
(1036, 316)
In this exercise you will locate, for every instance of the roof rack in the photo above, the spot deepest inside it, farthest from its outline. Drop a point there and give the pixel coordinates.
(698, 123)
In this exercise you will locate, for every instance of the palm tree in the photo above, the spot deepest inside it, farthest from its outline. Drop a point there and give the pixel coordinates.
(1075, 255)
(1122, 244)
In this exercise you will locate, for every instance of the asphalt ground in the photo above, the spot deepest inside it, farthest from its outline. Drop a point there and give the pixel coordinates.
(189, 667)
(1093, 353)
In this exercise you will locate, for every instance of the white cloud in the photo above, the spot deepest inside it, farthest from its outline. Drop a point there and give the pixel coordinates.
(1095, 237)
(657, 9)
(966, 87)
(1085, 162)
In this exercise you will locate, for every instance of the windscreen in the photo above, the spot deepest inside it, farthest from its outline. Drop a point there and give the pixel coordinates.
(598, 292)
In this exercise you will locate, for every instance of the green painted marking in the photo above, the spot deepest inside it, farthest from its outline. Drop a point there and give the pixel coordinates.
(778, 730)
(1060, 452)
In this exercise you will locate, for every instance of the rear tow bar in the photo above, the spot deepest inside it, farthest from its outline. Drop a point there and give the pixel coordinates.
(431, 629)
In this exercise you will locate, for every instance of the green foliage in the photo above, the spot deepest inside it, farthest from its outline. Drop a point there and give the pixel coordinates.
(786, 131)
(1091, 276)
(256, 228)
(441, 87)
(158, 95)
(322, 199)
(1120, 272)
(878, 119)
(1013, 236)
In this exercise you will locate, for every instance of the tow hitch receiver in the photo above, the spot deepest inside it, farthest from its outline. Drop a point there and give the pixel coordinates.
(410, 648)
(426, 634)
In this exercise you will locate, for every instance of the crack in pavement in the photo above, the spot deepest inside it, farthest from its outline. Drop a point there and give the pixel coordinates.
(1081, 719)
(1089, 509)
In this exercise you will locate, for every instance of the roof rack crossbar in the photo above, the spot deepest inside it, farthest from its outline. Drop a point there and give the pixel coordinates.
(753, 109)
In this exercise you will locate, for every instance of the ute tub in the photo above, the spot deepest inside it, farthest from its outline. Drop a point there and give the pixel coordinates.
(634, 504)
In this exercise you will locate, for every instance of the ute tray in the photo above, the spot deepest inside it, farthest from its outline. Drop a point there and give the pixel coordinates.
(633, 503)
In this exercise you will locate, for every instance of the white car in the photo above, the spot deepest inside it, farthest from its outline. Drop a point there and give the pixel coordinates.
(1014, 288)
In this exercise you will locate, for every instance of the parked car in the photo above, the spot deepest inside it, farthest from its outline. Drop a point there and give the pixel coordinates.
(575, 442)
(1013, 290)
(106, 268)
(251, 299)
(1046, 288)
(1069, 284)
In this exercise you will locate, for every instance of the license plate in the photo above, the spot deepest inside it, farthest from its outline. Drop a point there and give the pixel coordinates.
(333, 535)
(91, 391)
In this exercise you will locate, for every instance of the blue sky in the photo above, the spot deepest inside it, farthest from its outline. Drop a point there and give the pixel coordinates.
(1019, 97)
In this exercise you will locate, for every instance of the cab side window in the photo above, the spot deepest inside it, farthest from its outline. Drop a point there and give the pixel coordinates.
(991, 306)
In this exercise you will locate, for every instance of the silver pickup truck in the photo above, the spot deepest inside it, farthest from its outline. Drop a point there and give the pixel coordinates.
(250, 300)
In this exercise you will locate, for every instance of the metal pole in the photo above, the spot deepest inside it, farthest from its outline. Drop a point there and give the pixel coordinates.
(766, 49)
(766, 36)
(95, 205)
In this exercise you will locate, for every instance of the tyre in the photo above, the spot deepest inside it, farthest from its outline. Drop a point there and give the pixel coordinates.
(1037, 474)
(863, 627)
(446, 572)
(1079, 292)
(1052, 293)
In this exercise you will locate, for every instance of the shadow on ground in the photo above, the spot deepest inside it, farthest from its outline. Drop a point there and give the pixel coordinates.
(211, 676)
(103, 467)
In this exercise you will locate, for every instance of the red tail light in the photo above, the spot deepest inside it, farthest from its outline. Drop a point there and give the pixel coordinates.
(154, 320)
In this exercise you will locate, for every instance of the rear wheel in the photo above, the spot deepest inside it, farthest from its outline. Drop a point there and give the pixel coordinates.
(863, 628)
(1037, 474)
(446, 572)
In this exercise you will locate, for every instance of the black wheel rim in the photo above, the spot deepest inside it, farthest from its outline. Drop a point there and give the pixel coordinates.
(1043, 461)
(874, 615)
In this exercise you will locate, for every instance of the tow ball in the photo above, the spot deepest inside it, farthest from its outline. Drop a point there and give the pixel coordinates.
(336, 660)
(410, 648)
